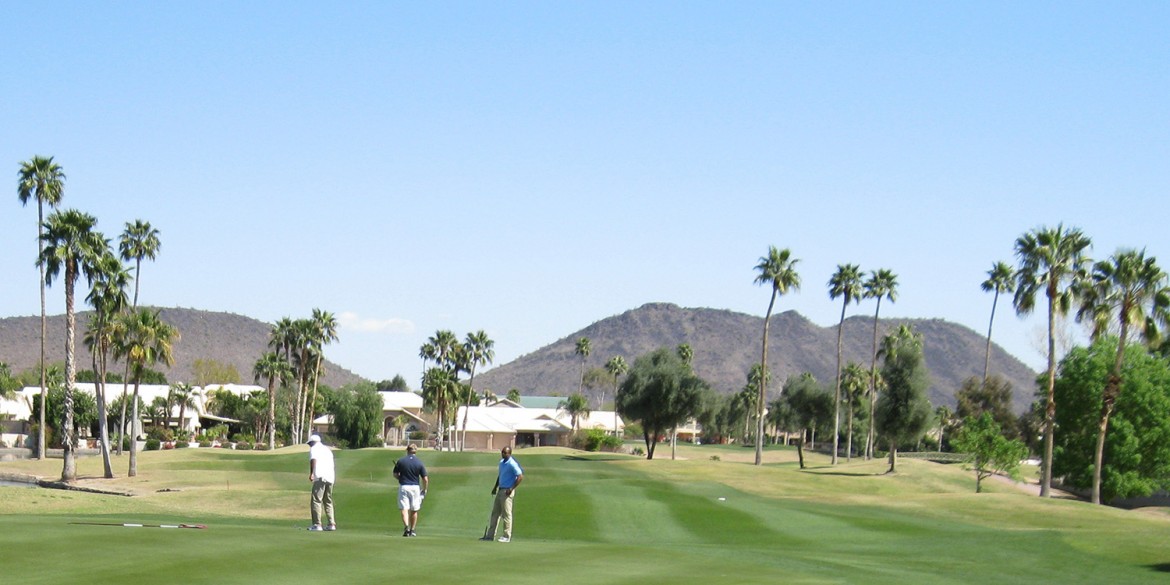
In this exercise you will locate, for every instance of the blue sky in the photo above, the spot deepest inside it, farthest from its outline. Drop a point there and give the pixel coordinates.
(530, 168)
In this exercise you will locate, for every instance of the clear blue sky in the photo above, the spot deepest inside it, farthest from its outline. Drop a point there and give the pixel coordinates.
(530, 168)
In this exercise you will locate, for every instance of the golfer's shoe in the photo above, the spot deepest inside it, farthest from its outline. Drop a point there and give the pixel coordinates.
(316, 528)
(406, 532)
(413, 533)
(331, 528)
(504, 539)
(487, 538)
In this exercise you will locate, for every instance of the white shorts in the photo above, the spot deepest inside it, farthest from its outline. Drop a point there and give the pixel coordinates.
(410, 497)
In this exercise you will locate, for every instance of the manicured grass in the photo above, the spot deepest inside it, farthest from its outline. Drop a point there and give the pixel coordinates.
(580, 518)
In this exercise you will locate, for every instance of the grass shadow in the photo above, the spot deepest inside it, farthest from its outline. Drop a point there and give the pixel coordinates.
(1161, 567)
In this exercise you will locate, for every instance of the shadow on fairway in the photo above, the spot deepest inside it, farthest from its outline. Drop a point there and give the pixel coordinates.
(1161, 567)
(598, 457)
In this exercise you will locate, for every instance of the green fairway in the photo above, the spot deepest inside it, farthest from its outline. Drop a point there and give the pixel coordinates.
(580, 518)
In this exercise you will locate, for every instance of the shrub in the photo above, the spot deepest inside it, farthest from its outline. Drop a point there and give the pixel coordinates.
(153, 444)
(638, 451)
(182, 445)
(418, 435)
(599, 440)
(260, 446)
(204, 444)
(243, 446)
(715, 458)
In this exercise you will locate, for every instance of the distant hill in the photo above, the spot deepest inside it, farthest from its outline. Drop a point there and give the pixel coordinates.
(223, 337)
(726, 344)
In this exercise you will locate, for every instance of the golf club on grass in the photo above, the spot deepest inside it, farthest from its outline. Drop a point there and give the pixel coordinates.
(132, 525)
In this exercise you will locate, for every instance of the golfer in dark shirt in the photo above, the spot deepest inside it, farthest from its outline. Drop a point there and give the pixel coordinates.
(412, 487)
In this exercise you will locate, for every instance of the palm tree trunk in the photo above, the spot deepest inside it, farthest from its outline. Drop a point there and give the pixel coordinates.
(987, 354)
(44, 328)
(837, 392)
(1050, 406)
(313, 402)
(869, 441)
(763, 385)
(100, 391)
(68, 433)
(1108, 401)
(849, 441)
(467, 407)
(271, 413)
(133, 471)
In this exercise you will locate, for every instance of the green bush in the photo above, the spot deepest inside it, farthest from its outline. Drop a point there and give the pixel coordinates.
(182, 445)
(204, 444)
(243, 446)
(599, 440)
(153, 444)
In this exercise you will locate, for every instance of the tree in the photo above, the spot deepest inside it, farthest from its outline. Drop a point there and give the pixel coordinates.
(686, 353)
(208, 371)
(880, 284)
(777, 270)
(108, 298)
(1128, 290)
(395, 384)
(944, 417)
(184, 396)
(72, 247)
(324, 332)
(273, 368)
(617, 367)
(1136, 458)
(902, 412)
(845, 283)
(139, 242)
(993, 395)
(142, 339)
(576, 406)
(43, 180)
(854, 382)
(981, 438)
(661, 392)
(1000, 279)
(583, 348)
(810, 407)
(514, 395)
(480, 351)
(1050, 261)
(357, 416)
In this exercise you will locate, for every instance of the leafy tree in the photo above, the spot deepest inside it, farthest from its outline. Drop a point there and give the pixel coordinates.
(1136, 458)
(514, 395)
(994, 396)
(845, 283)
(778, 271)
(981, 438)
(1128, 290)
(810, 408)
(661, 392)
(43, 180)
(583, 348)
(357, 416)
(686, 353)
(1000, 279)
(142, 338)
(880, 284)
(72, 248)
(854, 383)
(944, 418)
(84, 413)
(9, 384)
(396, 384)
(576, 406)
(208, 371)
(902, 412)
(1050, 261)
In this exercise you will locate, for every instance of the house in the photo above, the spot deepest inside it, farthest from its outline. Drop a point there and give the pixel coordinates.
(401, 416)
(507, 423)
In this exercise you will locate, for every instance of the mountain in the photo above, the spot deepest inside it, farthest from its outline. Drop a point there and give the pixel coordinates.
(726, 344)
(203, 335)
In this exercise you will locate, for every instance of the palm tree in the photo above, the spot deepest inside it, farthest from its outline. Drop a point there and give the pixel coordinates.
(778, 270)
(583, 348)
(1130, 290)
(943, 415)
(184, 395)
(446, 347)
(576, 406)
(142, 339)
(480, 350)
(325, 325)
(71, 245)
(139, 241)
(617, 367)
(855, 382)
(846, 283)
(1000, 279)
(43, 180)
(1051, 260)
(271, 367)
(880, 284)
(108, 298)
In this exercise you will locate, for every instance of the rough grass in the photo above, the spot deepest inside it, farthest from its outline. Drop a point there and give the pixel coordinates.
(581, 518)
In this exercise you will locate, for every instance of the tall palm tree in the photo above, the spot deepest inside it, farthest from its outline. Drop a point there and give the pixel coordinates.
(777, 270)
(108, 299)
(880, 284)
(139, 241)
(72, 248)
(583, 348)
(1129, 290)
(142, 339)
(271, 367)
(1000, 279)
(325, 326)
(304, 348)
(480, 350)
(845, 283)
(855, 382)
(1051, 261)
(184, 395)
(617, 367)
(943, 415)
(43, 180)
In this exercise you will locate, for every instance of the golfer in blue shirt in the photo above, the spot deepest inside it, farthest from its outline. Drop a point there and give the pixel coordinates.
(507, 481)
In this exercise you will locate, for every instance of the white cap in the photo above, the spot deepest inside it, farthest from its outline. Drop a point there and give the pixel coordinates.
(314, 439)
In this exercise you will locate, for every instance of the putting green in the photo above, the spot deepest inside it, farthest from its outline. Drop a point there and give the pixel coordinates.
(580, 518)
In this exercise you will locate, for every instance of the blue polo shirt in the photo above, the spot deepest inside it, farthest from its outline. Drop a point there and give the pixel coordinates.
(409, 470)
(509, 471)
